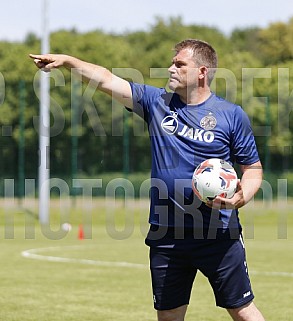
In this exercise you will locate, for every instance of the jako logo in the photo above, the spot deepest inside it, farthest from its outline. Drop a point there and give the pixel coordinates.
(170, 124)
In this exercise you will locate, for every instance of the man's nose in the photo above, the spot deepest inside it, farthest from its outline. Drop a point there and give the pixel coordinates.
(171, 69)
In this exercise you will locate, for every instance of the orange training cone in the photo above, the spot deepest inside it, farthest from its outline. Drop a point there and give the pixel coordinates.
(80, 233)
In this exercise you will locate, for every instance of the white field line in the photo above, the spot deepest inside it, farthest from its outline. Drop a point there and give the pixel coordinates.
(34, 254)
(272, 273)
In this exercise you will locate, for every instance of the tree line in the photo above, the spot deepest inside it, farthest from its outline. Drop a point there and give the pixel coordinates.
(90, 134)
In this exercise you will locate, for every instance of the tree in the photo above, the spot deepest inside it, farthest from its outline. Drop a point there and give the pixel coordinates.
(275, 43)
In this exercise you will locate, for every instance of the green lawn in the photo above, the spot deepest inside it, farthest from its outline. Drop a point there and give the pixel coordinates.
(105, 276)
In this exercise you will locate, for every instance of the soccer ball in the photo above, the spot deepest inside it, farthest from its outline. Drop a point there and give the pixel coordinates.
(214, 177)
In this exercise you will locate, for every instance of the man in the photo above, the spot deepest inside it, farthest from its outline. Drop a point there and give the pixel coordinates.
(186, 126)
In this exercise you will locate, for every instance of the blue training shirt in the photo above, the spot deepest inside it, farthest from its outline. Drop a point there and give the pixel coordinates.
(182, 136)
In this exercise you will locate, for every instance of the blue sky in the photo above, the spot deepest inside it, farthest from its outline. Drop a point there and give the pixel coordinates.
(19, 17)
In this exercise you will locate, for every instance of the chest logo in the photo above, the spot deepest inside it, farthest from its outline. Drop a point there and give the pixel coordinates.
(170, 124)
(208, 122)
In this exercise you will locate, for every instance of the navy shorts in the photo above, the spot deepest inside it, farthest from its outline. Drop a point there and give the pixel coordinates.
(174, 264)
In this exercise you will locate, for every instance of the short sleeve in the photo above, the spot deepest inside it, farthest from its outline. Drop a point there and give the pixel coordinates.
(144, 98)
(243, 142)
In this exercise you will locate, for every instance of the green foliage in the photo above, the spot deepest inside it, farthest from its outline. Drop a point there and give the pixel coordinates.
(245, 39)
(275, 43)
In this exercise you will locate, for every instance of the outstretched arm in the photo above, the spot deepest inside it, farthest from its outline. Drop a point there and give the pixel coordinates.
(96, 75)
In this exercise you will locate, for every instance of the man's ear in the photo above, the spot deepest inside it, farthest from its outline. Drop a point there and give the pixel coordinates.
(203, 70)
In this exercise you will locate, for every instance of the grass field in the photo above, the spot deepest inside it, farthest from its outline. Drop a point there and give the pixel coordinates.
(48, 274)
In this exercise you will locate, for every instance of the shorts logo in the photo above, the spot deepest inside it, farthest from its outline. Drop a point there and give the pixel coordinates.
(208, 122)
(170, 124)
(245, 295)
